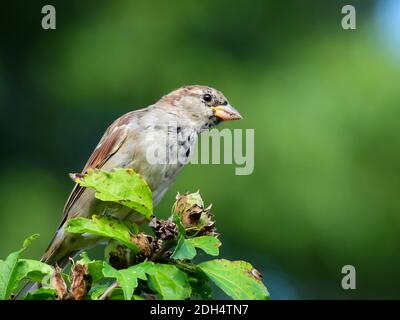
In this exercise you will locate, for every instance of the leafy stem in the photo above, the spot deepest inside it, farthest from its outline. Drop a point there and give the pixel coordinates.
(140, 266)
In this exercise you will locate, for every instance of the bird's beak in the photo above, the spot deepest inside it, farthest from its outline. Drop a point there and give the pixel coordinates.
(226, 112)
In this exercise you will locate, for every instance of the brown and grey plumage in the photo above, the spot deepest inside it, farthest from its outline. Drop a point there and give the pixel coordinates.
(183, 113)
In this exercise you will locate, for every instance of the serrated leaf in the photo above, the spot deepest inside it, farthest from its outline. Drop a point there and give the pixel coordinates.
(238, 279)
(103, 226)
(186, 248)
(127, 279)
(183, 250)
(33, 270)
(9, 275)
(170, 282)
(123, 186)
(95, 267)
(208, 244)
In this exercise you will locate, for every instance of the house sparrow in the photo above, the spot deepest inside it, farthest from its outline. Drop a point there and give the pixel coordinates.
(141, 140)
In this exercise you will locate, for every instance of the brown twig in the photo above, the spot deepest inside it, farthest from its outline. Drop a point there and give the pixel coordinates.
(166, 245)
(108, 291)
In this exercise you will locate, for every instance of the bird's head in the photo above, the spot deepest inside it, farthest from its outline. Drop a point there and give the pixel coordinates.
(202, 105)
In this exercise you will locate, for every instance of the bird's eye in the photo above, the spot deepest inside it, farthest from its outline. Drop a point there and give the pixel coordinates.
(207, 97)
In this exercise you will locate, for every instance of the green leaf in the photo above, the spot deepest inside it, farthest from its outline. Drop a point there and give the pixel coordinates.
(237, 279)
(208, 244)
(33, 270)
(8, 281)
(95, 267)
(169, 281)
(117, 294)
(123, 186)
(28, 241)
(200, 287)
(127, 278)
(97, 291)
(178, 221)
(41, 294)
(183, 250)
(9, 275)
(103, 226)
(186, 248)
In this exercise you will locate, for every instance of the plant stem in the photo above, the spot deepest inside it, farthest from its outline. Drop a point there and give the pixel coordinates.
(186, 266)
(108, 291)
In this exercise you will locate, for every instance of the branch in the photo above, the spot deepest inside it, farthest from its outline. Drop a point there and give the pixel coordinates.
(109, 290)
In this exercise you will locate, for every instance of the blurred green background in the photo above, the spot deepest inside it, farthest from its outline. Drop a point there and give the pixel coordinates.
(324, 104)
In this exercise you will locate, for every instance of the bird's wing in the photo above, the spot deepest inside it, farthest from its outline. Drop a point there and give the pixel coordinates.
(109, 144)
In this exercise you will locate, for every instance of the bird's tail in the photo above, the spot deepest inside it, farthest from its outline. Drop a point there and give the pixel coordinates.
(28, 287)
(58, 251)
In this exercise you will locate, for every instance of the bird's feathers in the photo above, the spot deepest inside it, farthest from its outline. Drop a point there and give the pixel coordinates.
(109, 144)
(125, 144)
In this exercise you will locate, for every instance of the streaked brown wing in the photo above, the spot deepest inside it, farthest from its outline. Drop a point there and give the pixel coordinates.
(109, 144)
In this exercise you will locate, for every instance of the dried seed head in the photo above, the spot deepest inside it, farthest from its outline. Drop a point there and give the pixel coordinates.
(119, 256)
(81, 281)
(164, 229)
(59, 284)
(196, 219)
(146, 244)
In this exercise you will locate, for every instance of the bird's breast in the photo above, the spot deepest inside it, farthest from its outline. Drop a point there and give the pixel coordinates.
(157, 154)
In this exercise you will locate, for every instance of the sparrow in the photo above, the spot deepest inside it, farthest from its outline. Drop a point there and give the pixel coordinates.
(141, 140)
